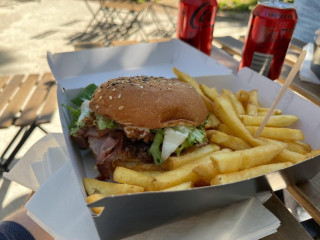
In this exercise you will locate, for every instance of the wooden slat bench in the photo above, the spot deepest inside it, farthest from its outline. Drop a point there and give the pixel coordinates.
(25, 102)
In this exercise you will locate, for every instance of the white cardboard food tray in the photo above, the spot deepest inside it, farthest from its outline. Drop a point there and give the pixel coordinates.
(130, 214)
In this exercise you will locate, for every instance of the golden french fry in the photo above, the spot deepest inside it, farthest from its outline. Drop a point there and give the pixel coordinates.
(183, 77)
(313, 153)
(282, 134)
(243, 97)
(93, 186)
(228, 141)
(182, 186)
(223, 128)
(206, 171)
(274, 121)
(226, 113)
(264, 111)
(248, 173)
(212, 122)
(306, 146)
(93, 198)
(296, 147)
(175, 177)
(208, 92)
(285, 155)
(181, 174)
(186, 78)
(209, 133)
(237, 105)
(252, 104)
(139, 166)
(128, 176)
(178, 161)
(152, 173)
(289, 156)
(243, 159)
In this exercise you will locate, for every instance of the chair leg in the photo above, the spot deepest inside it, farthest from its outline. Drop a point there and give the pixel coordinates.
(7, 162)
(12, 142)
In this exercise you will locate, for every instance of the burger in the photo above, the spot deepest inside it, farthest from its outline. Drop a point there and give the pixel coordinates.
(139, 118)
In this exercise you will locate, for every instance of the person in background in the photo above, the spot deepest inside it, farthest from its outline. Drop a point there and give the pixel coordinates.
(19, 226)
(308, 19)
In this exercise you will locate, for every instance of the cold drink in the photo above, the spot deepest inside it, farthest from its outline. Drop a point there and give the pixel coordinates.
(271, 26)
(196, 22)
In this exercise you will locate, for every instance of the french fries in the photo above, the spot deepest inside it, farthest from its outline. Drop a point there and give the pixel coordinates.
(289, 156)
(182, 174)
(94, 186)
(152, 173)
(282, 134)
(232, 153)
(129, 176)
(226, 113)
(313, 153)
(264, 111)
(212, 122)
(182, 186)
(274, 121)
(227, 140)
(238, 107)
(205, 171)
(252, 104)
(208, 92)
(243, 159)
(140, 166)
(93, 198)
(248, 173)
(178, 161)
(297, 147)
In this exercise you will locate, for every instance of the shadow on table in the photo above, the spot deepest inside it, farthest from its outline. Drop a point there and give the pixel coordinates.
(15, 204)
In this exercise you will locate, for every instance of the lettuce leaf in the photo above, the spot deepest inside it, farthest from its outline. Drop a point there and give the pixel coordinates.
(85, 94)
(196, 136)
(155, 149)
(104, 123)
(75, 114)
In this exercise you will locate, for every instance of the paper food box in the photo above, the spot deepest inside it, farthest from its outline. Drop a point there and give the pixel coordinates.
(129, 214)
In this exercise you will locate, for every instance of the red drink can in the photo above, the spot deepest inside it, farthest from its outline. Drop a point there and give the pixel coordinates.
(271, 26)
(196, 20)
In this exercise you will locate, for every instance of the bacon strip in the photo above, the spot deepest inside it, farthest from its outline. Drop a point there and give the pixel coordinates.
(105, 150)
(110, 146)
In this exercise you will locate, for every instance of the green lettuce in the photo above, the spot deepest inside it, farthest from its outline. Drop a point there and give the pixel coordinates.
(75, 111)
(155, 149)
(104, 123)
(75, 114)
(196, 136)
(85, 94)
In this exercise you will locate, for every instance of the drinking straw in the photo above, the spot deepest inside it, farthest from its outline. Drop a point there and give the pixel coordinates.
(284, 88)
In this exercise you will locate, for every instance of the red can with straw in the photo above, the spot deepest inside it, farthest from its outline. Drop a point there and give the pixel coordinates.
(271, 26)
(196, 20)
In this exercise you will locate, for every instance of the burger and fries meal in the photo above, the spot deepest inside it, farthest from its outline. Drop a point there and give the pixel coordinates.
(158, 134)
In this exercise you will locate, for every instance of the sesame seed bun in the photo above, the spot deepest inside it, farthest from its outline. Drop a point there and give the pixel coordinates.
(149, 102)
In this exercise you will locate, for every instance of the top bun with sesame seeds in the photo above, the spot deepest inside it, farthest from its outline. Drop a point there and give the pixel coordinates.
(149, 102)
